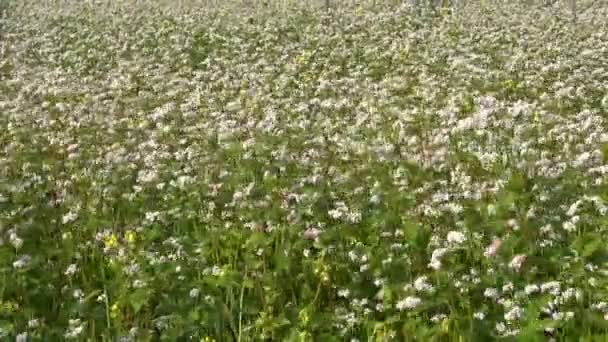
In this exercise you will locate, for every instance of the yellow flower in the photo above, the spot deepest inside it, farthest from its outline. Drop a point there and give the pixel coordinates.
(111, 241)
(445, 325)
(303, 316)
(8, 307)
(130, 237)
(114, 310)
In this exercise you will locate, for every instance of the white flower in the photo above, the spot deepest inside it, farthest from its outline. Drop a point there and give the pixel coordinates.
(573, 208)
(22, 262)
(78, 294)
(438, 318)
(71, 270)
(312, 233)
(335, 213)
(601, 306)
(436, 258)
(69, 217)
(517, 262)
(354, 217)
(456, 238)
(508, 287)
(379, 295)
(183, 181)
(74, 332)
(75, 329)
(435, 264)
(530, 289)
(571, 293)
(505, 302)
(514, 314)
(101, 298)
(15, 240)
(233, 106)
(408, 303)
(531, 213)
(592, 282)
(490, 292)
(344, 293)
(569, 226)
(479, 315)
(546, 229)
(21, 337)
(138, 283)
(421, 284)
(493, 248)
(194, 293)
(581, 159)
(512, 223)
(33, 323)
(552, 287)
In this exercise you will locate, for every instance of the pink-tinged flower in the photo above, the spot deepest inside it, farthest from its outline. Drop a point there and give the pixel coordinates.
(517, 262)
(493, 248)
(312, 233)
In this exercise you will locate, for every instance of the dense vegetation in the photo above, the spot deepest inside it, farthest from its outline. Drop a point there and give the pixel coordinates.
(373, 173)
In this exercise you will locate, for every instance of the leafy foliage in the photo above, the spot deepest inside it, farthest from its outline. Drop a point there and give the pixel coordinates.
(184, 173)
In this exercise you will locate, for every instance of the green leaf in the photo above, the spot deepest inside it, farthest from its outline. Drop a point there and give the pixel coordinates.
(587, 245)
(92, 295)
(410, 230)
(248, 283)
(591, 247)
(605, 152)
(387, 295)
(194, 315)
(6, 328)
(138, 299)
(517, 183)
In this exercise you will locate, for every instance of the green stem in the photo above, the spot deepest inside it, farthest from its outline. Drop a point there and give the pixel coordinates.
(242, 296)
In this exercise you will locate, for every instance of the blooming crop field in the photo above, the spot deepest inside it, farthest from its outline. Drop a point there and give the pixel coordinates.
(380, 173)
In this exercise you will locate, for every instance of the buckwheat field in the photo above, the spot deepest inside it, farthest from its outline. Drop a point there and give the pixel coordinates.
(187, 171)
